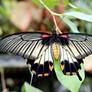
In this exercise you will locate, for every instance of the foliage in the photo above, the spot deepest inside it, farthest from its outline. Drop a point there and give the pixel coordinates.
(49, 3)
(66, 2)
(28, 88)
(71, 82)
(1, 68)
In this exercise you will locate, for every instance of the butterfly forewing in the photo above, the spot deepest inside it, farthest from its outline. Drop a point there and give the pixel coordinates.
(79, 45)
(28, 44)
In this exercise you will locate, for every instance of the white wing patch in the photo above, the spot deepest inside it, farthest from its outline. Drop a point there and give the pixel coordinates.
(69, 64)
(44, 64)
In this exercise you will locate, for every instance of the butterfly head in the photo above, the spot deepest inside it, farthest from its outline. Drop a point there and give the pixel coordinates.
(53, 31)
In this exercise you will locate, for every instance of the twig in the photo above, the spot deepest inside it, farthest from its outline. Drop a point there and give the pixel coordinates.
(3, 82)
(52, 13)
(57, 29)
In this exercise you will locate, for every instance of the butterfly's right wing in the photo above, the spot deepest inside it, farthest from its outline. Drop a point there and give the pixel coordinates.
(28, 44)
(32, 46)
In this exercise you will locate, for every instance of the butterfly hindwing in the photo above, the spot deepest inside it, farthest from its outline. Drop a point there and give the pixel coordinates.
(43, 65)
(69, 65)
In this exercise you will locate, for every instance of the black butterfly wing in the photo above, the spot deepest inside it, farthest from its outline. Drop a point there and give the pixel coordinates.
(28, 44)
(80, 45)
(74, 48)
(43, 65)
(32, 46)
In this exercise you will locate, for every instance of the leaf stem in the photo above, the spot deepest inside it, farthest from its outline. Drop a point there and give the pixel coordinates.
(57, 29)
(53, 15)
(46, 7)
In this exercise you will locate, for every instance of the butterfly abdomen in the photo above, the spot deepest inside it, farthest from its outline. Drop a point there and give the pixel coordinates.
(55, 49)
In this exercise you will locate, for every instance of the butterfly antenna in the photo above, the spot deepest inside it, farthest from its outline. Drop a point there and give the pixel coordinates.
(57, 28)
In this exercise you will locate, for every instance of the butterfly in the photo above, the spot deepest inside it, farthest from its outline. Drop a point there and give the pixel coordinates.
(42, 49)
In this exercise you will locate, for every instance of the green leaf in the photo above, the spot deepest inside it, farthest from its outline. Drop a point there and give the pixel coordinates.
(8, 5)
(5, 9)
(1, 68)
(74, 7)
(28, 88)
(66, 2)
(83, 7)
(3, 12)
(48, 3)
(71, 82)
(79, 15)
(72, 26)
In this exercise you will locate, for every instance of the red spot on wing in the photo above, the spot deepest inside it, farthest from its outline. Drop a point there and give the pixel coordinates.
(64, 36)
(44, 35)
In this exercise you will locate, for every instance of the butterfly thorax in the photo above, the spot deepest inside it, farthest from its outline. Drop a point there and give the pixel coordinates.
(53, 31)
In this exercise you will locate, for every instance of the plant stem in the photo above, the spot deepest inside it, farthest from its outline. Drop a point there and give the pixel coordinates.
(53, 15)
(57, 29)
(3, 82)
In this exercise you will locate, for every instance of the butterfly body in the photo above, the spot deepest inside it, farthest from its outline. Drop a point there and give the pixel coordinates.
(55, 50)
(42, 49)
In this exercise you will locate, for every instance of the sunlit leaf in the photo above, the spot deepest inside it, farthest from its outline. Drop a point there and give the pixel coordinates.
(1, 68)
(4, 12)
(66, 2)
(48, 3)
(79, 15)
(28, 88)
(6, 7)
(74, 7)
(89, 28)
(83, 7)
(71, 25)
(71, 82)
(1, 31)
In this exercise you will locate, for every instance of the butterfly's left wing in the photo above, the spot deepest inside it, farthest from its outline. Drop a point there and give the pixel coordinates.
(43, 65)
(74, 48)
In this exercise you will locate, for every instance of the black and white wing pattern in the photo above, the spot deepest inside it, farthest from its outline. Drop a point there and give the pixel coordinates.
(43, 65)
(41, 49)
(80, 45)
(34, 47)
(27, 44)
(74, 48)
